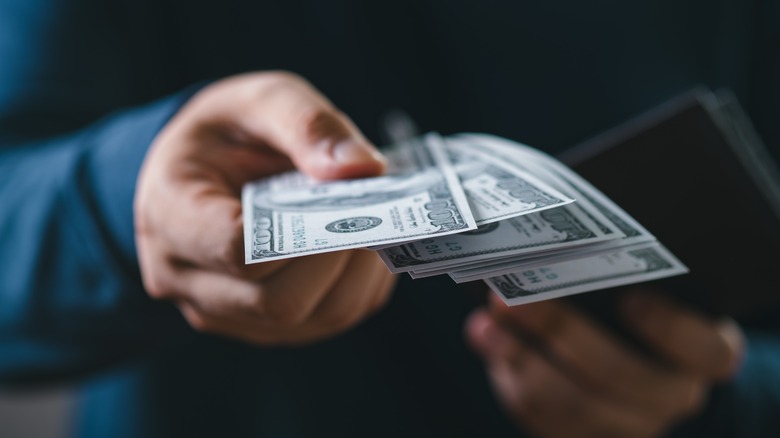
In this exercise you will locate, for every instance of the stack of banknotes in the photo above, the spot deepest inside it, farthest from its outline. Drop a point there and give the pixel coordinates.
(470, 206)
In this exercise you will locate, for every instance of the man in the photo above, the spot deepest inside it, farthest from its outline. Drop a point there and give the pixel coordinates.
(109, 199)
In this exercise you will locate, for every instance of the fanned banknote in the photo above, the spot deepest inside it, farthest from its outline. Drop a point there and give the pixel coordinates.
(291, 215)
(623, 229)
(628, 265)
(471, 206)
(632, 256)
(497, 190)
(528, 234)
(606, 212)
(571, 225)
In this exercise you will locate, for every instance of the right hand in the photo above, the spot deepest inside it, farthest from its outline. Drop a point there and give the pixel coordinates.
(559, 373)
(188, 219)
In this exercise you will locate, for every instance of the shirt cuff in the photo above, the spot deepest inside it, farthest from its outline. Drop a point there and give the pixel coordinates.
(117, 148)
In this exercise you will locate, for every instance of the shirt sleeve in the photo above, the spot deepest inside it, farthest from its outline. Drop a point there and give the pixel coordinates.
(746, 406)
(79, 107)
(754, 398)
(71, 297)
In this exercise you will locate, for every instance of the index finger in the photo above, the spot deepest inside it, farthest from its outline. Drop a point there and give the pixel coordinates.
(284, 111)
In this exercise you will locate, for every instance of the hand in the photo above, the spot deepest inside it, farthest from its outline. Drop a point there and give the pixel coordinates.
(188, 213)
(559, 374)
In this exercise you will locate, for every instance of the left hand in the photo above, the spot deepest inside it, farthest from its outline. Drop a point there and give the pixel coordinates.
(574, 379)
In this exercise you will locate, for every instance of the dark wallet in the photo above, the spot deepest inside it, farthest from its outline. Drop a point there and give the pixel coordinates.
(697, 176)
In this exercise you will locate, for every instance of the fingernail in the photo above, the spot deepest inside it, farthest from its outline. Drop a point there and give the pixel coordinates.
(356, 152)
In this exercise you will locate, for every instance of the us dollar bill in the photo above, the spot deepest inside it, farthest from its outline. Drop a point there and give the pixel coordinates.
(548, 230)
(291, 215)
(477, 256)
(497, 190)
(610, 218)
(479, 270)
(613, 219)
(628, 265)
(498, 267)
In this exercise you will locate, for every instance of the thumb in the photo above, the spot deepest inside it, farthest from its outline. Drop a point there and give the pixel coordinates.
(290, 115)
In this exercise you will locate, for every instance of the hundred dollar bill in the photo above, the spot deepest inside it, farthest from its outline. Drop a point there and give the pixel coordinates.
(497, 190)
(610, 218)
(479, 270)
(628, 265)
(608, 214)
(545, 231)
(547, 169)
(506, 265)
(291, 215)
(535, 238)
(497, 267)
(634, 234)
(494, 189)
